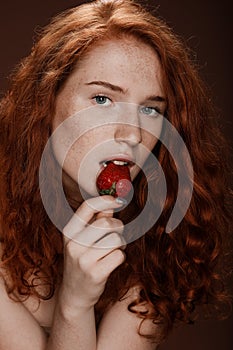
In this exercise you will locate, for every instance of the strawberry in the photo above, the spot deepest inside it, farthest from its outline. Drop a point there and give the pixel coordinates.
(114, 180)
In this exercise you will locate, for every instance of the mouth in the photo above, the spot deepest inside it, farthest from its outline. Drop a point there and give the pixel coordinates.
(118, 161)
(114, 177)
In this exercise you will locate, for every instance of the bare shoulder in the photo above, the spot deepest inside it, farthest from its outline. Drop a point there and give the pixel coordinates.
(120, 326)
(12, 316)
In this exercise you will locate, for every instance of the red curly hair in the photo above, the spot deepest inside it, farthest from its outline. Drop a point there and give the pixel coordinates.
(175, 271)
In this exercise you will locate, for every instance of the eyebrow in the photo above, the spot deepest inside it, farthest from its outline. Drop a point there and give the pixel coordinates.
(108, 86)
(156, 98)
(113, 87)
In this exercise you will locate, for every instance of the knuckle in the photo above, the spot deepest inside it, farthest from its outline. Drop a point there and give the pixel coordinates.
(84, 263)
(85, 205)
(110, 223)
(85, 208)
(105, 222)
(115, 239)
(70, 249)
(66, 230)
(70, 231)
(96, 277)
(120, 256)
(118, 224)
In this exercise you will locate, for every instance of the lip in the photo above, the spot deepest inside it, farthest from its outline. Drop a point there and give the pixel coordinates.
(120, 157)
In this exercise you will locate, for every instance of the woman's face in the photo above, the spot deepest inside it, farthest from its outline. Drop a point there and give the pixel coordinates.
(116, 98)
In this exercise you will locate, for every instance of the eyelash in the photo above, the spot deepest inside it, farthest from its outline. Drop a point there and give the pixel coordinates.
(101, 96)
(156, 110)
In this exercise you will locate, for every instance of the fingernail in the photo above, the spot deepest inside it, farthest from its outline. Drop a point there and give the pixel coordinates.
(121, 201)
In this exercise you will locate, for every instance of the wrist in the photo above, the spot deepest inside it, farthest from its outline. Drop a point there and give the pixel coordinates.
(70, 312)
(73, 305)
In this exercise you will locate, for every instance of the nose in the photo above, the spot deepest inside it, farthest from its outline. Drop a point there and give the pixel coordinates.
(128, 129)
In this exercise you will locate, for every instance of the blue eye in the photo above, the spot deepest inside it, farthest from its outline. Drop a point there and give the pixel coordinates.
(102, 100)
(150, 111)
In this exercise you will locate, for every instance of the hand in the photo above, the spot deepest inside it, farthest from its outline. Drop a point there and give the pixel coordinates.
(92, 251)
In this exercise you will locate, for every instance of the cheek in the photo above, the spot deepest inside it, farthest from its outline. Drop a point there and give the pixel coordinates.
(151, 131)
(85, 147)
(79, 149)
(148, 140)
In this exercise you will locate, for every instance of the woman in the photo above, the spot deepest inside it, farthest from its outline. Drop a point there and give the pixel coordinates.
(126, 83)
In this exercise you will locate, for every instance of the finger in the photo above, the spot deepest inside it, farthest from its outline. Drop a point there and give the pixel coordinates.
(97, 230)
(112, 241)
(100, 250)
(110, 262)
(106, 213)
(86, 211)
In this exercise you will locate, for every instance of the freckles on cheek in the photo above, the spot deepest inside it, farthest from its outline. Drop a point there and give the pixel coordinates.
(67, 105)
(81, 147)
(149, 141)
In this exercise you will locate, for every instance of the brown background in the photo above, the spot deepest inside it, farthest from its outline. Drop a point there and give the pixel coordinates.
(207, 26)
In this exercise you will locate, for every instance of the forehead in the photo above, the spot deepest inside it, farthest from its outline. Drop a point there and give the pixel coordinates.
(120, 59)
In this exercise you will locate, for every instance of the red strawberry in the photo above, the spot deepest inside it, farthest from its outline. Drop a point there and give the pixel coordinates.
(114, 180)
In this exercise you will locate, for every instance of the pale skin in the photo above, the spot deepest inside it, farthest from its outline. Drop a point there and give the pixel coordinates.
(70, 313)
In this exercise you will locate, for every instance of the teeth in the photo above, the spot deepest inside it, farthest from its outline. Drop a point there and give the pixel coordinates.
(119, 162)
(116, 162)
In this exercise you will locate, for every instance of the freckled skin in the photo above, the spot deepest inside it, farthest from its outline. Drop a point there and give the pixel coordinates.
(127, 63)
(116, 60)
